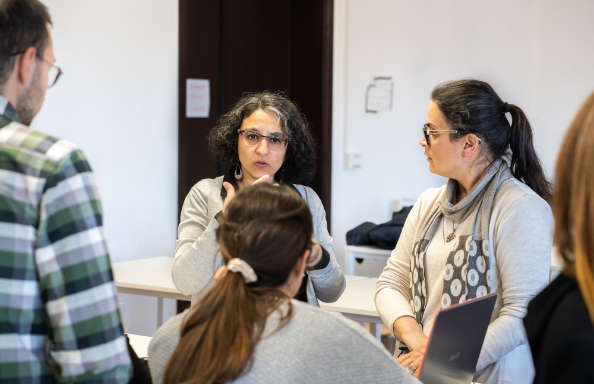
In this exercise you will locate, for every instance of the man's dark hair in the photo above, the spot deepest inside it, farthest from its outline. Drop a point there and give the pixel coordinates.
(23, 24)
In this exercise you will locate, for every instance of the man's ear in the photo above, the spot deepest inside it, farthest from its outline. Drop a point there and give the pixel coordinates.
(25, 65)
(471, 145)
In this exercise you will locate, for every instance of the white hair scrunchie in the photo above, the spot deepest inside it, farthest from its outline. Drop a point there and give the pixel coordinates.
(239, 265)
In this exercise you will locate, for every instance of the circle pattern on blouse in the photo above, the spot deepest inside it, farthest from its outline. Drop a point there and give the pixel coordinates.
(467, 272)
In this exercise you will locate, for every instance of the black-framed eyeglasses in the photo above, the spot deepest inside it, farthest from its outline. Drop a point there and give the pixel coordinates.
(427, 132)
(251, 138)
(54, 73)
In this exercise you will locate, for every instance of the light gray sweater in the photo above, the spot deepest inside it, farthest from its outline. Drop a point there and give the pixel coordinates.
(520, 231)
(313, 347)
(197, 255)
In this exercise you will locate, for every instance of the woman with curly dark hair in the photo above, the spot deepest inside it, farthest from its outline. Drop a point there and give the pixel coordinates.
(263, 138)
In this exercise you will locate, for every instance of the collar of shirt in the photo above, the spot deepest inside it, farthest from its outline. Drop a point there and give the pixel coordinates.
(7, 112)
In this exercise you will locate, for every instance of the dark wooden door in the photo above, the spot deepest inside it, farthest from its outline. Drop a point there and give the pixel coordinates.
(254, 45)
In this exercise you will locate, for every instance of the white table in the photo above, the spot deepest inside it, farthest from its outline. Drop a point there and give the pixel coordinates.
(140, 344)
(363, 252)
(357, 303)
(148, 277)
(152, 277)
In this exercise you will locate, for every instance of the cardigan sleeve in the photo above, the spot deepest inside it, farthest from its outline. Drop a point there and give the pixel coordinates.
(328, 282)
(393, 292)
(196, 248)
(522, 247)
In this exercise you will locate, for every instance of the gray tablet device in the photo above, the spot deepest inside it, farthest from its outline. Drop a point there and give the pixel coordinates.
(455, 341)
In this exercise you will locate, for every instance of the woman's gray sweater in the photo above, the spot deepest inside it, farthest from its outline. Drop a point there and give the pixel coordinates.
(197, 255)
(335, 350)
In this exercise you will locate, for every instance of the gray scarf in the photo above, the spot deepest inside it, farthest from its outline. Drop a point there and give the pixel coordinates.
(469, 269)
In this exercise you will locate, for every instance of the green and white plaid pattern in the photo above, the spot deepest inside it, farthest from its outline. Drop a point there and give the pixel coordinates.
(59, 317)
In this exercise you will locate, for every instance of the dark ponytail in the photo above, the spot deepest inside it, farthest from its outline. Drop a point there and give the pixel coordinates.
(525, 164)
(269, 228)
(472, 106)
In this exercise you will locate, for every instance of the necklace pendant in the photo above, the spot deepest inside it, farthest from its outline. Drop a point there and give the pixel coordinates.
(450, 237)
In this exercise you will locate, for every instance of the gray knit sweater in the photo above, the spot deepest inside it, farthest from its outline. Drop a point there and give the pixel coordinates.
(197, 255)
(314, 347)
(520, 231)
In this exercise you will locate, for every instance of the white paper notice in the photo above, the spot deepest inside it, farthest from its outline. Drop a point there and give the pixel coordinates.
(379, 95)
(197, 97)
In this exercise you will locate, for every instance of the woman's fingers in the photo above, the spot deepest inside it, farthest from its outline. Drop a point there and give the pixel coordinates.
(264, 179)
(315, 255)
(229, 188)
(417, 362)
(230, 193)
(411, 361)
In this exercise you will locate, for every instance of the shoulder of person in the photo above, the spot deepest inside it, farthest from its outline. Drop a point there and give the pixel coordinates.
(432, 194)
(310, 196)
(306, 192)
(207, 185)
(514, 194)
(328, 325)
(167, 336)
(429, 198)
(41, 144)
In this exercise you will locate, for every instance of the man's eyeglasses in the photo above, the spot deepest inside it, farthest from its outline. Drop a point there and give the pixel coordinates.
(427, 132)
(251, 138)
(54, 72)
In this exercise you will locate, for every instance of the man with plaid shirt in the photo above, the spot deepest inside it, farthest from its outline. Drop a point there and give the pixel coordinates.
(59, 317)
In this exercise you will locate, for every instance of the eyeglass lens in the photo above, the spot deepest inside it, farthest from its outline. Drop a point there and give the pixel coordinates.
(252, 138)
(53, 75)
(426, 135)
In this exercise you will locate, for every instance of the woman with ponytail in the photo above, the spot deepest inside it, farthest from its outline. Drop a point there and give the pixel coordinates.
(247, 329)
(560, 320)
(488, 229)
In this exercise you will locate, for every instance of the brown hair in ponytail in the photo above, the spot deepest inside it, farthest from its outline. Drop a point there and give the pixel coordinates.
(269, 227)
(573, 202)
(472, 106)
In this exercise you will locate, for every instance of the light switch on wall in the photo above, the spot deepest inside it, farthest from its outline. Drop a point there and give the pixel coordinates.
(352, 160)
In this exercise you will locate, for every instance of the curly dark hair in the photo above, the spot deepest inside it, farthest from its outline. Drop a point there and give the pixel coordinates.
(298, 167)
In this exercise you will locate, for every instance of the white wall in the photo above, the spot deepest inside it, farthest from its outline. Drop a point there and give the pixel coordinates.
(117, 101)
(537, 54)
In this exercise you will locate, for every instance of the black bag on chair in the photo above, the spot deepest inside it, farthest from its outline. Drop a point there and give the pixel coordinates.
(384, 235)
(360, 234)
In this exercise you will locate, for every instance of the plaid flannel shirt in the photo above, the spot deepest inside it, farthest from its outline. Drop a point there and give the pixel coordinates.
(59, 317)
